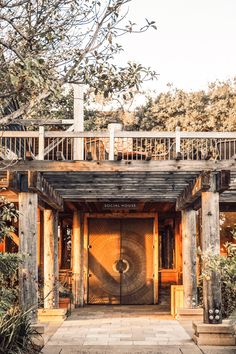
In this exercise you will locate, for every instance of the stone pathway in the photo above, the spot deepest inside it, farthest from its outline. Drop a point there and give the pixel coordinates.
(121, 329)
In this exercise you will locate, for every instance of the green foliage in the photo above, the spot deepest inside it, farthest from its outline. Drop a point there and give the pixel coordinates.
(45, 45)
(8, 215)
(9, 291)
(214, 109)
(16, 333)
(15, 330)
(226, 267)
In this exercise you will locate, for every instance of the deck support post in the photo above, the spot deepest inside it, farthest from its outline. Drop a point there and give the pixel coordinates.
(78, 120)
(112, 128)
(189, 255)
(51, 272)
(77, 259)
(211, 243)
(28, 247)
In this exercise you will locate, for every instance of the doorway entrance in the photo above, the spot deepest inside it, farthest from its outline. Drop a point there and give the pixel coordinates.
(121, 261)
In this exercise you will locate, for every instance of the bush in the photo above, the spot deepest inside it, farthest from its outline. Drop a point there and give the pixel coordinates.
(9, 290)
(8, 216)
(226, 267)
(16, 334)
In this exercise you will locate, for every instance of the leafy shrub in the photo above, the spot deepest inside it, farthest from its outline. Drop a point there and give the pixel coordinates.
(226, 267)
(9, 290)
(8, 215)
(16, 334)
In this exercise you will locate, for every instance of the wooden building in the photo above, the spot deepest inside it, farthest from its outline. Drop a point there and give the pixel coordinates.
(119, 213)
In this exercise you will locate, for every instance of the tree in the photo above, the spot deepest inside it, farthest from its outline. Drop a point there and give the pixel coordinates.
(46, 44)
(213, 109)
(8, 216)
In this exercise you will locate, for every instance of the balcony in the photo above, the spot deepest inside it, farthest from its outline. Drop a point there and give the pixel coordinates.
(116, 144)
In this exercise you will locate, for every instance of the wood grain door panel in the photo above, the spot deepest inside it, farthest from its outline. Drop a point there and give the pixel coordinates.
(121, 261)
(104, 251)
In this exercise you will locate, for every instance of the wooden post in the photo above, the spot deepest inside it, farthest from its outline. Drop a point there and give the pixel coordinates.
(177, 140)
(85, 255)
(39, 233)
(28, 246)
(56, 262)
(155, 259)
(189, 255)
(178, 249)
(211, 243)
(78, 120)
(60, 246)
(113, 127)
(41, 143)
(77, 259)
(50, 259)
(41, 243)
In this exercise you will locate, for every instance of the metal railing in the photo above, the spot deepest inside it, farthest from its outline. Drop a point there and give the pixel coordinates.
(116, 144)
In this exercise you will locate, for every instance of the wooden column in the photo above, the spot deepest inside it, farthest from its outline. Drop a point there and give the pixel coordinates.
(78, 120)
(60, 246)
(211, 243)
(77, 259)
(50, 258)
(155, 260)
(28, 237)
(39, 243)
(178, 249)
(189, 257)
(56, 262)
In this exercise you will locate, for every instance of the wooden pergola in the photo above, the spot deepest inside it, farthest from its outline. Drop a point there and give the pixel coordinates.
(193, 171)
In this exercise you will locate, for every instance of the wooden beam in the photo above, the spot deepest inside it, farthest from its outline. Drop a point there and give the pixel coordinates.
(189, 255)
(35, 122)
(28, 273)
(119, 134)
(202, 183)
(38, 184)
(124, 166)
(193, 191)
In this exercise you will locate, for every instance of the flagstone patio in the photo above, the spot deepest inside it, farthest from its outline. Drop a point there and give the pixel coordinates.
(123, 329)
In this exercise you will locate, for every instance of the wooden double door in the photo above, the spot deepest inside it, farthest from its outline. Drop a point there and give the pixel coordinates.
(120, 260)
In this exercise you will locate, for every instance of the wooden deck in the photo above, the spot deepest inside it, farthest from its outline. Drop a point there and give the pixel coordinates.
(117, 145)
(115, 164)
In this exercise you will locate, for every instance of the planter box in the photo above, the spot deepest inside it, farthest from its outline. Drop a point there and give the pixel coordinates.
(64, 303)
(49, 315)
(214, 334)
(177, 298)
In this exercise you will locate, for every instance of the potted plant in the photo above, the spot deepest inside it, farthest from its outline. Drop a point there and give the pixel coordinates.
(65, 298)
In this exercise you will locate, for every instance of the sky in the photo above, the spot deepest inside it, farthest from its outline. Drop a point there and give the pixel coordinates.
(194, 44)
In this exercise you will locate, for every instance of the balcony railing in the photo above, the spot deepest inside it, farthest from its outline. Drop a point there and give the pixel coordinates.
(116, 145)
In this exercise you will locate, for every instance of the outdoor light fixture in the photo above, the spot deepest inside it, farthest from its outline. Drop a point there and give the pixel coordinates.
(214, 315)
